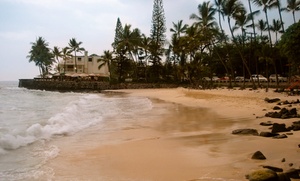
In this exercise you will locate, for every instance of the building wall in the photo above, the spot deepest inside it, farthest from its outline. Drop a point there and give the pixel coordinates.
(85, 64)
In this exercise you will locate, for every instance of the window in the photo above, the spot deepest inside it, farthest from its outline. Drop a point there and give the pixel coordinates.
(79, 59)
(90, 59)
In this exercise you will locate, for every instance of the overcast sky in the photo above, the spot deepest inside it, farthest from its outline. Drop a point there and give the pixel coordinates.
(92, 22)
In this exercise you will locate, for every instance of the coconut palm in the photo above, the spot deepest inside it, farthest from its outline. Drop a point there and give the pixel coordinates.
(66, 55)
(276, 27)
(293, 6)
(75, 47)
(262, 26)
(106, 59)
(218, 4)
(57, 54)
(280, 15)
(266, 4)
(179, 28)
(205, 19)
(41, 55)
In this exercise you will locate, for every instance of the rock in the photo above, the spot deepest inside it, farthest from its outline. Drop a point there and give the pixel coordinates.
(276, 108)
(258, 156)
(279, 128)
(283, 177)
(268, 123)
(245, 132)
(292, 173)
(263, 175)
(272, 100)
(282, 136)
(283, 160)
(273, 114)
(268, 134)
(275, 169)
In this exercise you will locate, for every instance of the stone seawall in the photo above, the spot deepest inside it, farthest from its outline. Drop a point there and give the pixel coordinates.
(84, 86)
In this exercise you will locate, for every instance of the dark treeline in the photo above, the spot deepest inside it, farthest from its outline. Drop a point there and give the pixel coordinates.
(202, 49)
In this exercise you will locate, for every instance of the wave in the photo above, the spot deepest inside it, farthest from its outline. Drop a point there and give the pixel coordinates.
(83, 112)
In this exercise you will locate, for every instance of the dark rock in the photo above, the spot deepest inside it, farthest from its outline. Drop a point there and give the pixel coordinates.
(293, 111)
(272, 100)
(273, 114)
(263, 175)
(282, 136)
(292, 173)
(283, 160)
(291, 164)
(279, 128)
(268, 134)
(283, 177)
(245, 132)
(276, 108)
(258, 156)
(268, 123)
(275, 169)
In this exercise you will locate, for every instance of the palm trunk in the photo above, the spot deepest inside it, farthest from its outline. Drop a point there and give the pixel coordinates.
(267, 20)
(75, 62)
(252, 19)
(294, 17)
(279, 11)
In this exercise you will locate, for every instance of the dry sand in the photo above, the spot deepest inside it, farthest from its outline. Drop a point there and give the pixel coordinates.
(193, 143)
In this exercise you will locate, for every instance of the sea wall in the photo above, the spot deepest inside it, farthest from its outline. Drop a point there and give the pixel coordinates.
(84, 86)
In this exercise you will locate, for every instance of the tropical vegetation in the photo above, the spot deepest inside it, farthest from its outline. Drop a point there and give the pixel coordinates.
(202, 49)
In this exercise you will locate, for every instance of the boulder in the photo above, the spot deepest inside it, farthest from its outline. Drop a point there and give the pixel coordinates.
(282, 136)
(276, 108)
(262, 175)
(292, 173)
(245, 132)
(258, 156)
(272, 100)
(279, 128)
(283, 177)
(268, 123)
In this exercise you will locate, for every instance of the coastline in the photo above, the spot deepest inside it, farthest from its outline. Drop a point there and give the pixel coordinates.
(177, 147)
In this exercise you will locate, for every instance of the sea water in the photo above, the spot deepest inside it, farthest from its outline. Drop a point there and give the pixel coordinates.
(31, 119)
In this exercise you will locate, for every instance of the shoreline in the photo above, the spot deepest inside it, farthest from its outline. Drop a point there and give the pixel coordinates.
(177, 147)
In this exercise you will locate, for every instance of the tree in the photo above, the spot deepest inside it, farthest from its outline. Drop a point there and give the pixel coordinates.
(266, 4)
(219, 5)
(157, 35)
(57, 54)
(275, 27)
(205, 20)
(118, 33)
(41, 55)
(179, 28)
(290, 47)
(262, 26)
(106, 59)
(75, 47)
(66, 54)
(293, 6)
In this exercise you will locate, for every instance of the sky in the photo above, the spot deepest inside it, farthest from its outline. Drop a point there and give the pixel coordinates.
(92, 22)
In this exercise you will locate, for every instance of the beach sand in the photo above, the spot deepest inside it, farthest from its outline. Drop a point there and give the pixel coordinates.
(192, 143)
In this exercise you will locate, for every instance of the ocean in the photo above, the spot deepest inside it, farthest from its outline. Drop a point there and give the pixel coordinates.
(34, 124)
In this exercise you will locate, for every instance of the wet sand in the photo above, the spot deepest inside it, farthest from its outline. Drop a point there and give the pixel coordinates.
(192, 142)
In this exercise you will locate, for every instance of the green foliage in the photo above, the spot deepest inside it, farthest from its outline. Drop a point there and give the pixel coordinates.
(41, 55)
(118, 33)
(290, 46)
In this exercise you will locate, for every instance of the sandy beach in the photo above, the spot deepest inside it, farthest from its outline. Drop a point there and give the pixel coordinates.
(194, 142)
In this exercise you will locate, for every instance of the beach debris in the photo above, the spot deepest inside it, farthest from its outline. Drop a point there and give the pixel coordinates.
(245, 132)
(258, 156)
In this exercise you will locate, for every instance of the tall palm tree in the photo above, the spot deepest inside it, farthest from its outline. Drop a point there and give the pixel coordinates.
(280, 15)
(75, 47)
(262, 26)
(66, 54)
(106, 59)
(179, 28)
(252, 18)
(266, 4)
(205, 19)
(276, 27)
(57, 54)
(218, 4)
(293, 6)
(41, 55)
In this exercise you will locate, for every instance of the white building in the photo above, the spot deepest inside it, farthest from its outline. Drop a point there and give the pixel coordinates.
(85, 65)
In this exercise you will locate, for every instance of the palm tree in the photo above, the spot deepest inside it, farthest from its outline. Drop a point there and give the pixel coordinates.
(293, 6)
(75, 47)
(106, 59)
(266, 4)
(262, 26)
(179, 28)
(66, 54)
(218, 4)
(275, 27)
(41, 55)
(206, 19)
(57, 54)
(280, 16)
(252, 19)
